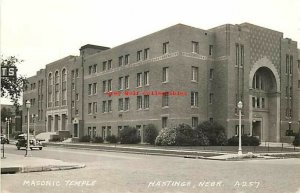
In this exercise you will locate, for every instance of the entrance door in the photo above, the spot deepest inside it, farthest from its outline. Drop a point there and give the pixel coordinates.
(75, 130)
(256, 129)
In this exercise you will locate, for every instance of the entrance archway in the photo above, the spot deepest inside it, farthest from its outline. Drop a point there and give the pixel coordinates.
(264, 101)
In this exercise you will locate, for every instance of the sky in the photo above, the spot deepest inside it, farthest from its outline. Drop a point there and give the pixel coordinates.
(42, 31)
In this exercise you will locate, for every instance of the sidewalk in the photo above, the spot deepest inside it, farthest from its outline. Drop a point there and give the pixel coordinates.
(18, 163)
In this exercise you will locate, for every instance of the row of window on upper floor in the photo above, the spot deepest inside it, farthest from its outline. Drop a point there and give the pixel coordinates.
(142, 102)
(141, 54)
(142, 78)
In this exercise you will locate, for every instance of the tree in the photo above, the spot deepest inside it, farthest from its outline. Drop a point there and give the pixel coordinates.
(12, 87)
(5, 112)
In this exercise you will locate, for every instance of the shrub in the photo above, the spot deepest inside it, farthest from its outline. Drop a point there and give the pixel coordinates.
(166, 137)
(128, 135)
(85, 138)
(296, 141)
(180, 135)
(98, 139)
(111, 139)
(214, 132)
(150, 134)
(246, 141)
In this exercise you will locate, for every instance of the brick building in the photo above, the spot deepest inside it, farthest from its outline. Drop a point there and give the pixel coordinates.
(177, 75)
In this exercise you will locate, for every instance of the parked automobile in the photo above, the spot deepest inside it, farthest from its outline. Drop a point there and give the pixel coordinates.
(33, 142)
(4, 139)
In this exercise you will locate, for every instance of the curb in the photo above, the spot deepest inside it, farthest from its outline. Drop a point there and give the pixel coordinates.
(13, 170)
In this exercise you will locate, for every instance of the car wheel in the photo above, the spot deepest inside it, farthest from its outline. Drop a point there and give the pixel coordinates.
(31, 148)
(18, 147)
(40, 148)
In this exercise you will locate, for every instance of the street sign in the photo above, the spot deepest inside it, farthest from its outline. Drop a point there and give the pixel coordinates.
(8, 72)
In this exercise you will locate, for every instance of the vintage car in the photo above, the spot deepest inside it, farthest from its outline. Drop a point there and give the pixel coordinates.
(4, 139)
(33, 142)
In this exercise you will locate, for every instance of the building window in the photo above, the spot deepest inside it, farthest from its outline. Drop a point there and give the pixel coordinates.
(121, 83)
(194, 74)
(103, 106)
(121, 104)
(95, 68)
(104, 88)
(291, 64)
(126, 82)
(89, 108)
(64, 97)
(138, 55)
(109, 86)
(139, 102)
(109, 106)
(95, 107)
(146, 78)
(165, 47)
(194, 122)
(165, 77)
(104, 65)
(298, 83)
(90, 131)
(73, 104)
(195, 47)
(90, 70)
(120, 60)
(262, 102)
(73, 74)
(253, 102)
(126, 59)
(258, 103)
(94, 132)
(126, 106)
(165, 99)
(119, 130)
(211, 98)
(146, 102)
(210, 50)
(139, 79)
(103, 133)
(237, 130)
(194, 99)
(90, 89)
(242, 55)
(164, 121)
(76, 73)
(108, 130)
(211, 74)
(109, 64)
(287, 64)
(73, 86)
(77, 111)
(94, 88)
(237, 54)
(146, 53)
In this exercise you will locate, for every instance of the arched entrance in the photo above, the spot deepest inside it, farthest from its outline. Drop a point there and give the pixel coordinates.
(264, 101)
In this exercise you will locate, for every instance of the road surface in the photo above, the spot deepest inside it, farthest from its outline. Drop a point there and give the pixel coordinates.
(122, 172)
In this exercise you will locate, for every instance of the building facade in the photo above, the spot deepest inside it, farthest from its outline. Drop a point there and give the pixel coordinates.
(177, 75)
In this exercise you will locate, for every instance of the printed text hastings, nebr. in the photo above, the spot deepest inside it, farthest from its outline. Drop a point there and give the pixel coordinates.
(204, 184)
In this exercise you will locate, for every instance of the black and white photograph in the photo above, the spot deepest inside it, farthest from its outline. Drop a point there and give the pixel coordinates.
(135, 96)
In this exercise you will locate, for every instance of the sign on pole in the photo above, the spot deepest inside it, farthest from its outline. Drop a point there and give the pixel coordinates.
(8, 72)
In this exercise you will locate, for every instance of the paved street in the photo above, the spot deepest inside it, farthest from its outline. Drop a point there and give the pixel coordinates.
(121, 172)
